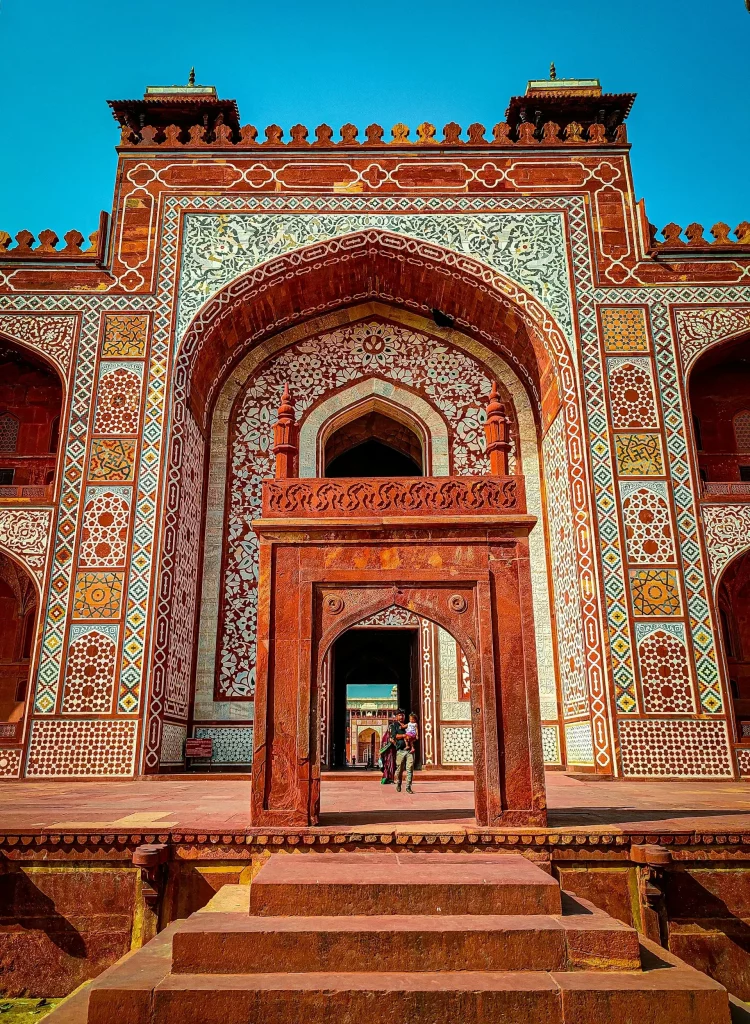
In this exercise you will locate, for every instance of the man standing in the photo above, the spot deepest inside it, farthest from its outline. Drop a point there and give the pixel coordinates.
(404, 756)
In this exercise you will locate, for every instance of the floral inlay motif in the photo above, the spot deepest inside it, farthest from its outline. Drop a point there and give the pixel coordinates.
(452, 381)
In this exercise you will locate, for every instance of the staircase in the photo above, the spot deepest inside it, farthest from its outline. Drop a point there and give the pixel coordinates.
(393, 938)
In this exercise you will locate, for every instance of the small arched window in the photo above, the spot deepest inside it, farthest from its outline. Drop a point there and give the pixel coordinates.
(742, 430)
(8, 432)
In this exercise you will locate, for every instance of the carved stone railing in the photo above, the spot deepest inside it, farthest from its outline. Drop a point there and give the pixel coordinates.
(222, 136)
(726, 488)
(11, 732)
(39, 494)
(319, 498)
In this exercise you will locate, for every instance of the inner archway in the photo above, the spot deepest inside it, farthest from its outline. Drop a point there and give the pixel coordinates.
(373, 445)
(30, 403)
(373, 673)
(18, 614)
(719, 391)
(734, 613)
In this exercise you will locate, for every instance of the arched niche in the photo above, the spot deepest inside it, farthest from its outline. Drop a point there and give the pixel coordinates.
(374, 394)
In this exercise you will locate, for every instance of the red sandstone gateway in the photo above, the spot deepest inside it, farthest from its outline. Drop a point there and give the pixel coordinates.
(329, 421)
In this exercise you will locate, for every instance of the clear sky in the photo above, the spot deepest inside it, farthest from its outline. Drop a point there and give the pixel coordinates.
(384, 62)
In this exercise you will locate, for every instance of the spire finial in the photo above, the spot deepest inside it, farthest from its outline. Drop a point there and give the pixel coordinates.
(191, 77)
(552, 71)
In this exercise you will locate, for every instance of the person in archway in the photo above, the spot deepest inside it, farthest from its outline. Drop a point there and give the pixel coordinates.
(388, 747)
(404, 752)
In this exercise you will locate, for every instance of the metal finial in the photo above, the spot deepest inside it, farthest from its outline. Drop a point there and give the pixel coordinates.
(552, 72)
(191, 77)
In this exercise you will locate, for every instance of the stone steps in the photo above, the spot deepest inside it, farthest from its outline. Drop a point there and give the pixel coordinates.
(290, 947)
(375, 883)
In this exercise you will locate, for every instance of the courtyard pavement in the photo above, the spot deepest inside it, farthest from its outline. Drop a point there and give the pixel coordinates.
(220, 803)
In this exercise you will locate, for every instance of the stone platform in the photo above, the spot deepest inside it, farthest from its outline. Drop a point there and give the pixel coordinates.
(220, 804)
(398, 937)
(73, 898)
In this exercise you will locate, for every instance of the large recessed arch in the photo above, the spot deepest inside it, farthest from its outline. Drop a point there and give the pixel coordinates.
(375, 265)
(327, 279)
(208, 706)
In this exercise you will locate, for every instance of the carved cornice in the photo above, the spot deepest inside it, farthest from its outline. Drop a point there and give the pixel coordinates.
(392, 496)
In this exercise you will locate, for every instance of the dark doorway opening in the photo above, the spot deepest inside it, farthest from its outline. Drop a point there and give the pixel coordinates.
(372, 458)
(373, 445)
(366, 662)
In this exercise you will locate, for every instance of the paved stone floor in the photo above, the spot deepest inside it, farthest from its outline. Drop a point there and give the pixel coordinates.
(220, 803)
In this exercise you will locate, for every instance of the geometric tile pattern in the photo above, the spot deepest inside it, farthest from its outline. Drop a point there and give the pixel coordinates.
(665, 670)
(81, 748)
(112, 460)
(137, 609)
(457, 744)
(118, 399)
(742, 431)
(639, 455)
(231, 744)
(61, 579)
(743, 761)
(579, 743)
(124, 336)
(655, 592)
(647, 519)
(551, 744)
(8, 432)
(90, 670)
(684, 489)
(97, 595)
(11, 760)
(631, 392)
(624, 329)
(173, 743)
(668, 747)
(104, 530)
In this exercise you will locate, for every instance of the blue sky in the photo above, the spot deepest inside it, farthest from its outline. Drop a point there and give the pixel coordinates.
(397, 60)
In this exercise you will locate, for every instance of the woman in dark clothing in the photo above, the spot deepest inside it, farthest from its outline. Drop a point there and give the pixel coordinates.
(388, 748)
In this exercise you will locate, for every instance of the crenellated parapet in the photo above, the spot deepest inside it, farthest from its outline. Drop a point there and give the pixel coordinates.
(47, 246)
(223, 136)
(678, 241)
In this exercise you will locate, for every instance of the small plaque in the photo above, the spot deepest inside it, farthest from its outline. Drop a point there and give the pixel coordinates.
(199, 747)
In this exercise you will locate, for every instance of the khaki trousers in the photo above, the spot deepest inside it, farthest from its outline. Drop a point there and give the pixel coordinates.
(404, 757)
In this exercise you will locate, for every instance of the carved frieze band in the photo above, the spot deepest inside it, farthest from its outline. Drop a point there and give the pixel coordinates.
(419, 496)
